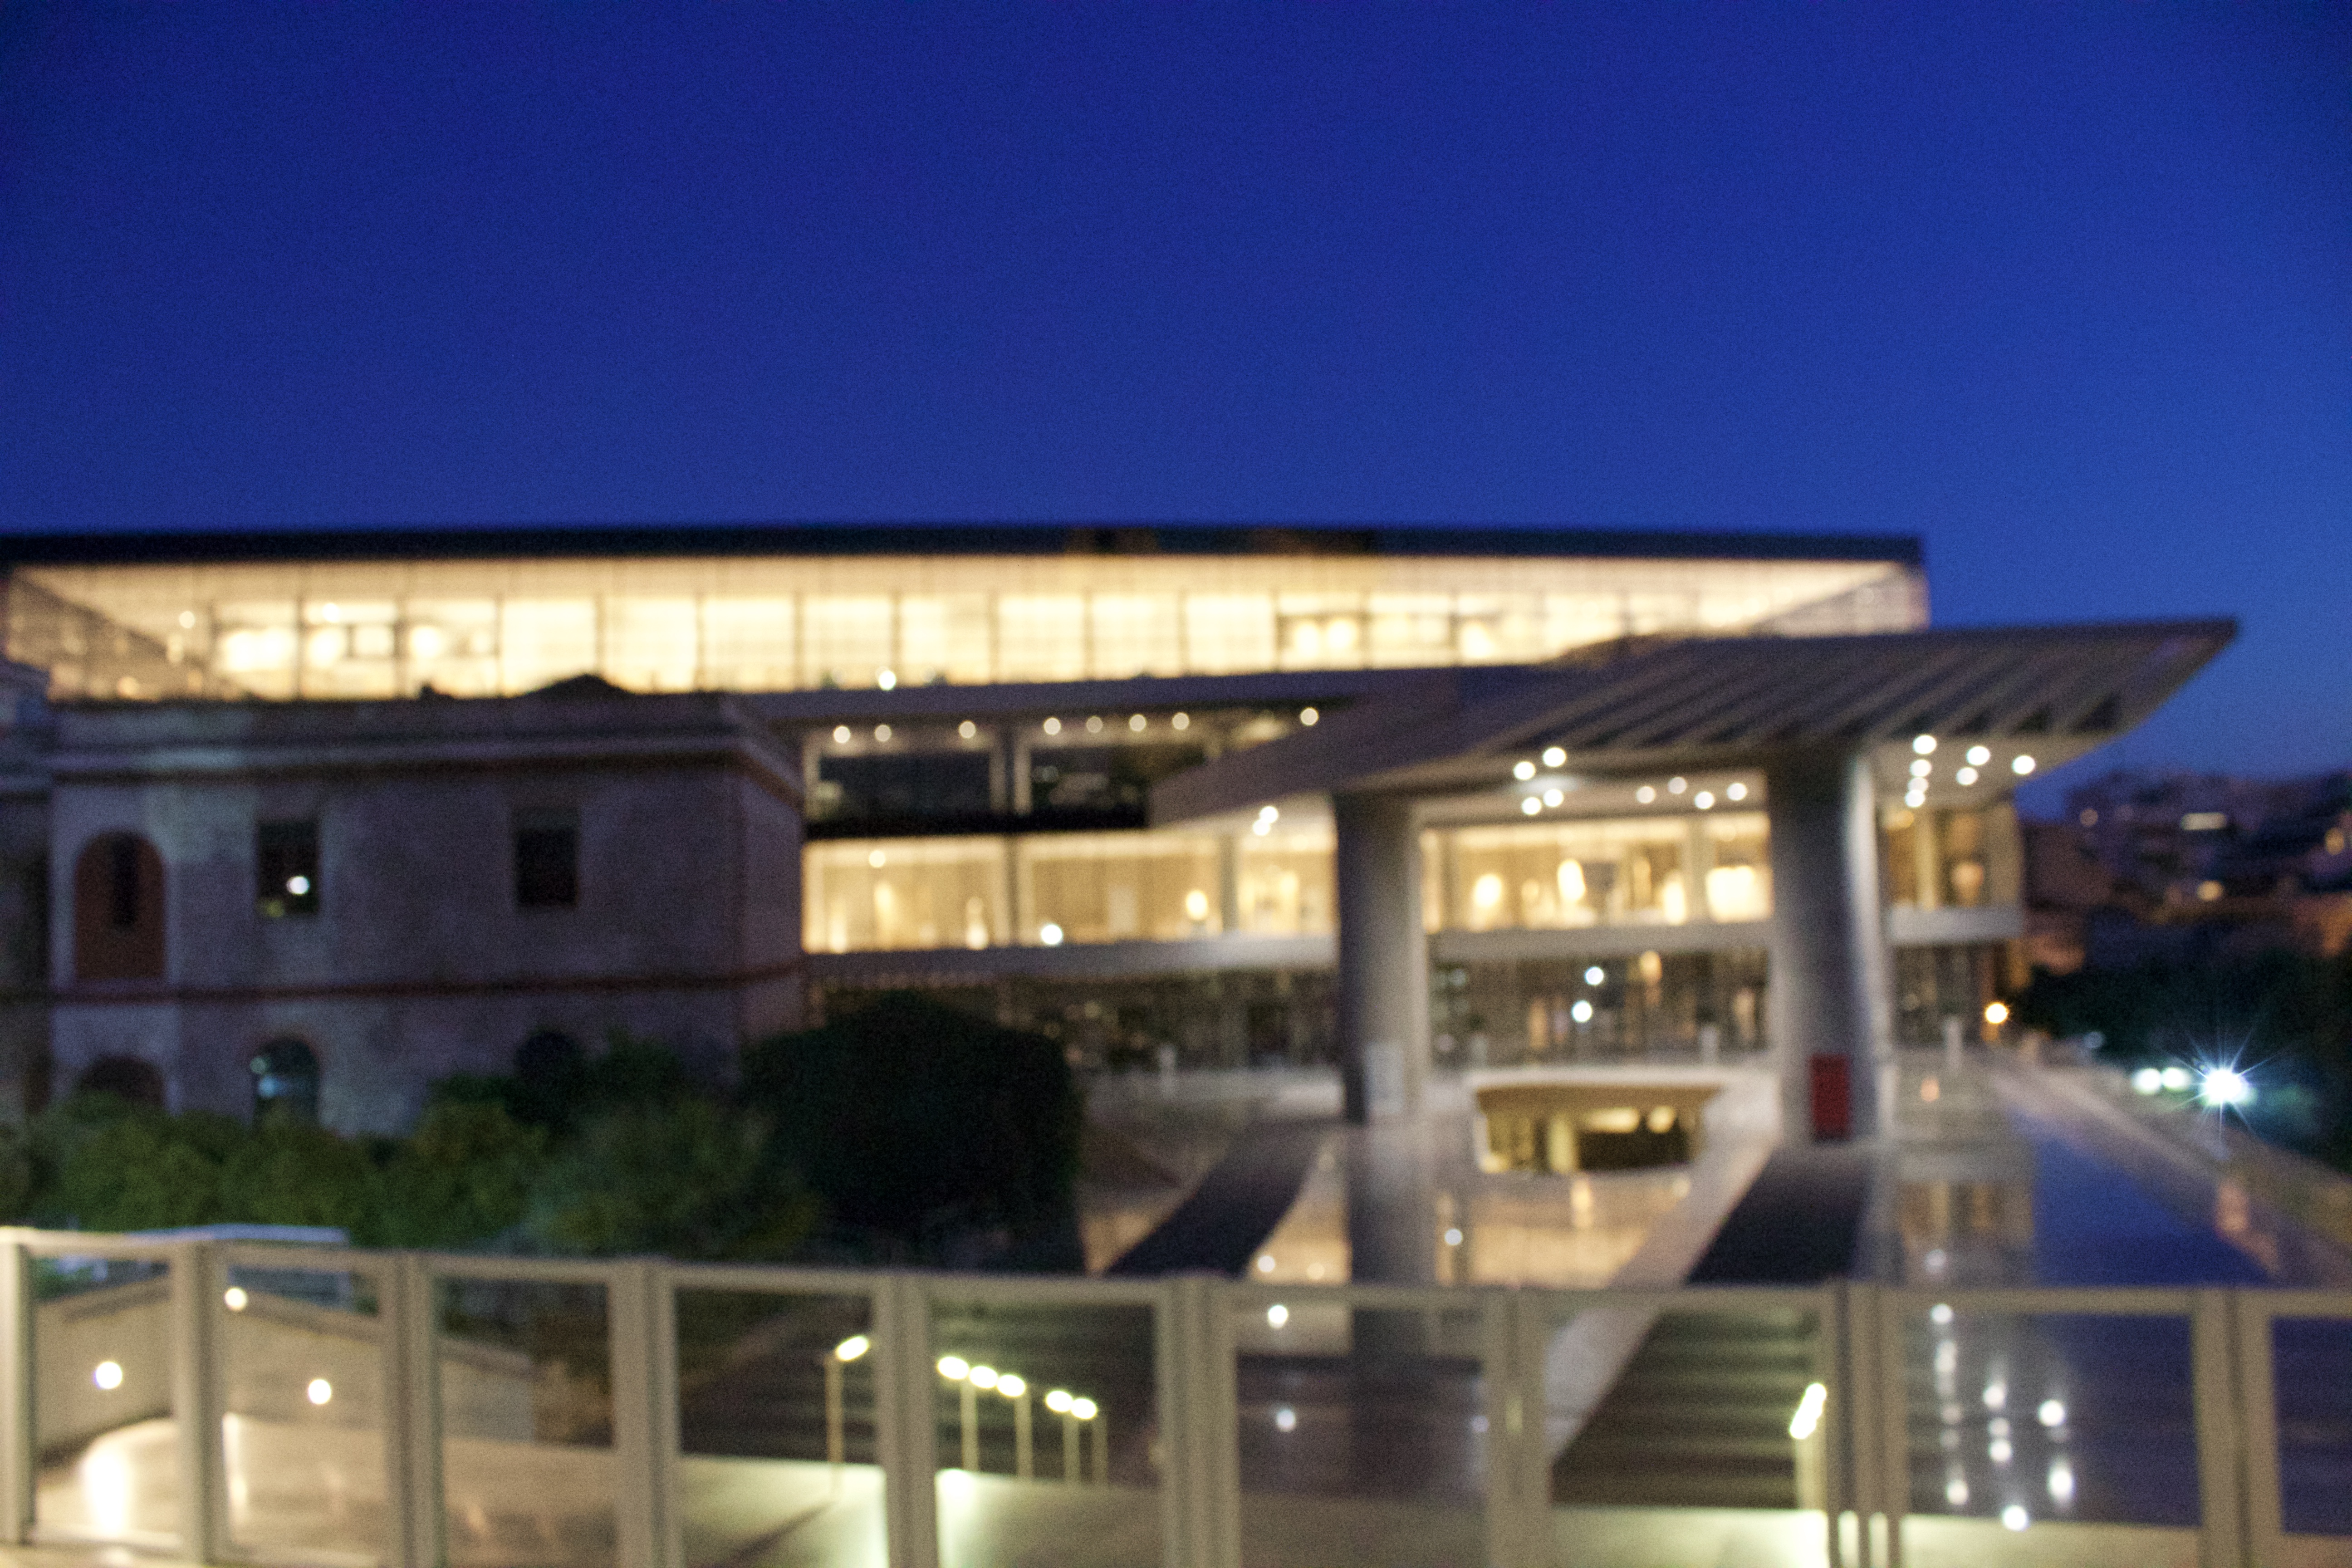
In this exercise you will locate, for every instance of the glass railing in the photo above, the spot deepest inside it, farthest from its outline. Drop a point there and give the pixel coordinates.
(238, 1403)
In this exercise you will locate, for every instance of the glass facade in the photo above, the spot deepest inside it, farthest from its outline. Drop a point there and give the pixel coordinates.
(1655, 871)
(1953, 859)
(389, 628)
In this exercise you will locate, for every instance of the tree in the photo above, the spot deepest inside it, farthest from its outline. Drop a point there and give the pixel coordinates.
(924, 1128)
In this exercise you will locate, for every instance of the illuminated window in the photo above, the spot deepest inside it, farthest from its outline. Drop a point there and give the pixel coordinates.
(286, 1082)
(1136, 633)
(849, 640)
(1041, 637)
(286, 867)
(547, 859)
(1117, 887)
(945, 636)
(1283, 882)
(651, 645)
(749, 644)
(1616, 872)
(865, 895)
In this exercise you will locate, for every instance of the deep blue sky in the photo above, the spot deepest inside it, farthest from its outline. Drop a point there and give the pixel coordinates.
(2067, 291)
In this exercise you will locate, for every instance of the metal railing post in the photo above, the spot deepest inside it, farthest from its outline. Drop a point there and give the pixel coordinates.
(1833, 1363)
(19, 1445)
(1200, 1482)
(906, 1420)
(411, 1414)
(197, 1280)
(1891, 1422)
(644, 1408)
(1512, 1326)
(2213, 1378)
(2258, 1428)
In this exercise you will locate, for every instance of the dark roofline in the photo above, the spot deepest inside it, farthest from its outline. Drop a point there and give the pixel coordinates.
(547, 540)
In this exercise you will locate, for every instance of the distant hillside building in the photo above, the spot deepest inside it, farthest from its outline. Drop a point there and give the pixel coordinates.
(2146, 865)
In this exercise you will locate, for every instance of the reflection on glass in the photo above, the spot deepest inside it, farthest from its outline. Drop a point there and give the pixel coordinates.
(1363, 1434)
(302, 1425)
(776, 1409)
(526, 1424)
(1047, 1434)
(102, 1416)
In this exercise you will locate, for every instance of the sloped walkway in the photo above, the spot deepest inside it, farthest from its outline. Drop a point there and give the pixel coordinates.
(1237, 1205)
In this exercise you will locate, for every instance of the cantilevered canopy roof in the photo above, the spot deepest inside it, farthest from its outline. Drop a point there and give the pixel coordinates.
(1719, 702)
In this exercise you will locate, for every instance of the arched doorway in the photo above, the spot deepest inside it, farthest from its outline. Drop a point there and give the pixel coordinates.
(128, 1079)
(118, 910)
(286, 1082)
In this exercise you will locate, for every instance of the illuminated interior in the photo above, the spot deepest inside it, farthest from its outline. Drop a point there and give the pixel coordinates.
(390, 629)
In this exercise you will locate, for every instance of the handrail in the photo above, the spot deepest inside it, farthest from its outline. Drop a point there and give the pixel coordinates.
(1855, 1451)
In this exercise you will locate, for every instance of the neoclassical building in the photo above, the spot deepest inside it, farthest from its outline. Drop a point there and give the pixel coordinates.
(314, 820)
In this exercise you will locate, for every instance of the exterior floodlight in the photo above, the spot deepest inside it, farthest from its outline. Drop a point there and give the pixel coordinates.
(1307, 716)
(2014, 1517)
(2176, 1078)
(1058, 1402)
(954, 1368)
(1013, 1385)
(2147, 1080)
(2053, 1413)
(852, 1347)
(983, 1377)
(1084, 1409)
(234, 1298)
(320, 1391)
(1996, 1013)
(1595, 975)
(1979, 755)
(2224, 1087)
(2022, 766)
(1553, 756)
(1523, 771)
(1277, 1315)
(107, 1375)
(1924, 744)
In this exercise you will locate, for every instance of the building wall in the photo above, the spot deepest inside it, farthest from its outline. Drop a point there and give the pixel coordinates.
(418, 961)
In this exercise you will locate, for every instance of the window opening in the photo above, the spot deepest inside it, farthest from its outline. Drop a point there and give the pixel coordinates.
(286, 1082)
(547, 859)
(286, 861)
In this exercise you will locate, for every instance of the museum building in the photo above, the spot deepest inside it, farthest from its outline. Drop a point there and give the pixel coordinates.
(310, 820)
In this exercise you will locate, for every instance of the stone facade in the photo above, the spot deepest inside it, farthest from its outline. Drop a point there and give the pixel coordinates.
(415, 948)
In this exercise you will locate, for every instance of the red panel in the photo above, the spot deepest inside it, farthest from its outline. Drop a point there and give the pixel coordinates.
(1833, 1098)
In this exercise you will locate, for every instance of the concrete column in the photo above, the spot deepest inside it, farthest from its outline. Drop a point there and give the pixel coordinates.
(1830, 972)
(1383, 957)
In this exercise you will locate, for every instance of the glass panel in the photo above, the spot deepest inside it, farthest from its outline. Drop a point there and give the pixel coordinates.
(1121, 887)
(650, 644)
(1284, 882)
(944, 637)
(865, 894)
(1056, 1467)
(546, 640)
(1228, 633)
(348, 648)
(527, 1423)
(453, 647)
(2078, 1428)
(848, 640)
(1674, 1437)
(2311, 1361)
(254, 646)
(1627, 871)
(776, 1430)
(302, 1423)
(1041, 637)
(1136, 633)
(747, 644)
(1362, 1435)
(103, 1427)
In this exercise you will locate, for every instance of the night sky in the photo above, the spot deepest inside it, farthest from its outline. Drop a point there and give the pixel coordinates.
(2067, 291)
